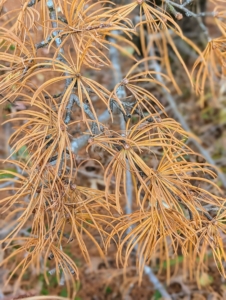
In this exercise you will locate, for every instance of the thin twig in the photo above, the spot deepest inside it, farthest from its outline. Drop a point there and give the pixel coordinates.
(69, 106)
(58, 41)
(32, 3)
(84, 107)
(82, 141)
(198, 16)
(44, 43)
(52, 15)
(188, 12)
(187, 2)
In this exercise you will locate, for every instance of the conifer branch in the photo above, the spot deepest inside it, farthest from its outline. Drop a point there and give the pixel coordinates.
(176, 208)
(182, 121)
(121, 93)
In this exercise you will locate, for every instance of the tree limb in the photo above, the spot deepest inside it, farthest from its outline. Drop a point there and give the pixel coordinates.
(114, 56)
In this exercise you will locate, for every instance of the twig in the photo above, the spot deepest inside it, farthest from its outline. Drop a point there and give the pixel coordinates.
(69, 106)
(201, 24)
(58, 41)
(189, 13)
(187, 2)
(52, 15)
(82, 141)
(32, 2)
(85, 107)
(44, 43)
(157, 284)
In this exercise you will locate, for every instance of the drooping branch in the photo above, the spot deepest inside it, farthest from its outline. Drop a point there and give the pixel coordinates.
(182, 121)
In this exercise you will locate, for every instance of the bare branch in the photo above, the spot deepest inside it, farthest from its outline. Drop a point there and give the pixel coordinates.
(32, 3)
(189, 13)
(85, 107)
(52, 15)
(82, 141)
(42, 44)
(187, 2)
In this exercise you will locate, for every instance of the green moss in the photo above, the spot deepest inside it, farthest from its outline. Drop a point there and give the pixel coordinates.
(108, 290)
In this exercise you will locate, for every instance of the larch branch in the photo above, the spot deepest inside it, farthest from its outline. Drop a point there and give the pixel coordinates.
(114, 56)
(182, 121)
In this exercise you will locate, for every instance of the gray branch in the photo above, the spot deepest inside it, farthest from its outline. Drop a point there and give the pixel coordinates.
(114, 56)
(44, 43)
(187, 2)
(82, 141)
(85, 107)
(189, 13)
(121, 93)
(52, 15)
(32, 3)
